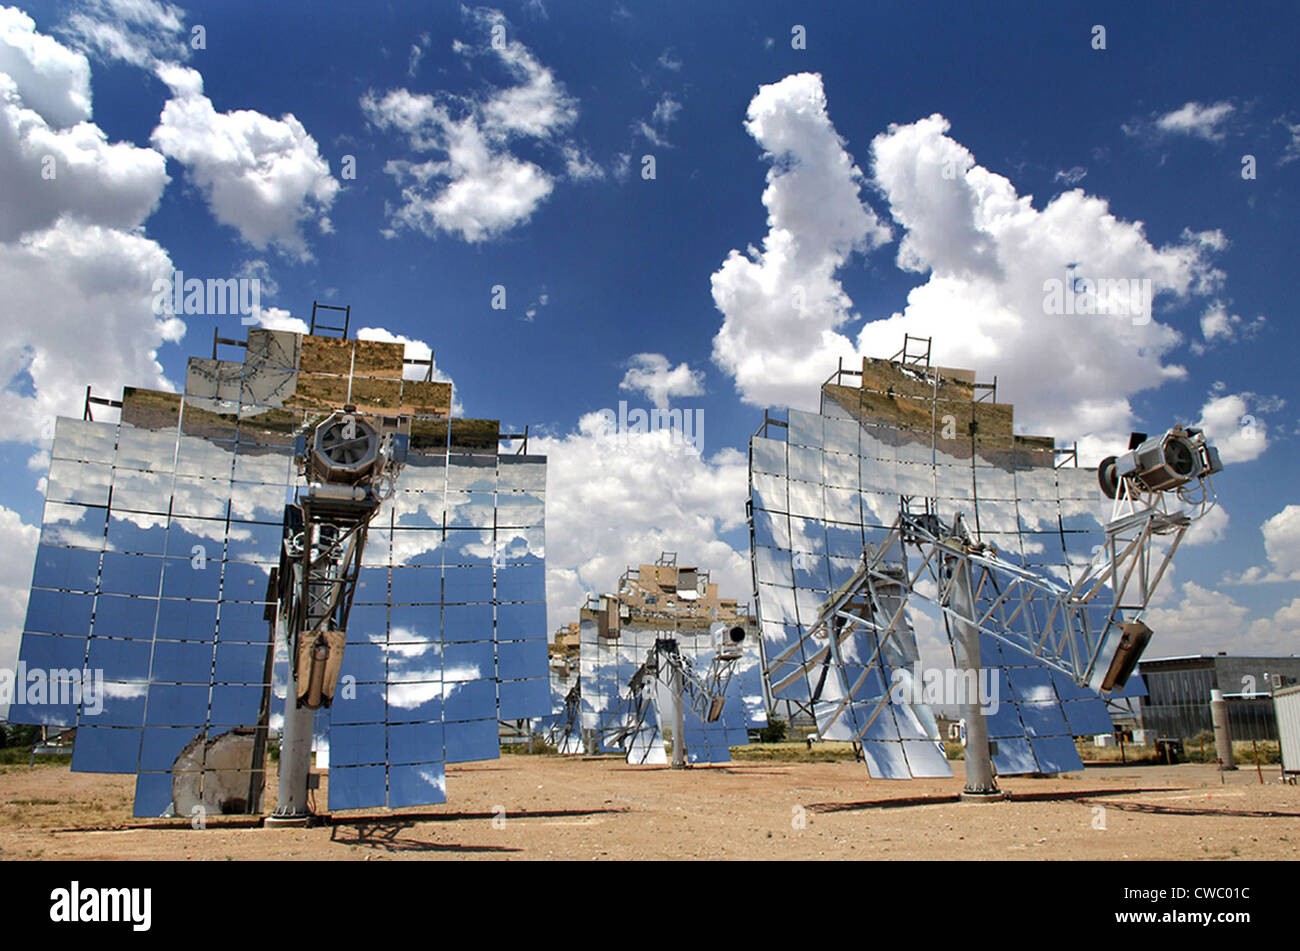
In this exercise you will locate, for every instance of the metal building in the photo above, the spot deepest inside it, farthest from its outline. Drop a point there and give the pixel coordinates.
(1286, 706)
(1177, 704)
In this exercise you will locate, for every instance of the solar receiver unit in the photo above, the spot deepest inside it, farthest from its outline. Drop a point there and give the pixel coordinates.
(161, 565)
(909, 488)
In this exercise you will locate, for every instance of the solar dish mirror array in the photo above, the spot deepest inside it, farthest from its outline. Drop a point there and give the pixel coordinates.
(617, 633)
(625, 723)
(916, 439)
(154, 567)
(562, 727)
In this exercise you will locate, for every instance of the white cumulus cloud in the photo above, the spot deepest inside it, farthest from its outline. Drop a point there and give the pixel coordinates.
(1277, 634)
(991, 261)
(1199, 621)
(264, 177)
(1282, 541)
(653, 375)
(1281, 546)
(76, 268)
(1218, 324)
(475, 187)
(16, 558)
(1210, 528)
(1197, 119)
(1228, 424)
(144, 33)
(782, 304)
(91, 287)
(277, 318)
(73, 171)
(57, 161)
(55, 80)
(616, 499)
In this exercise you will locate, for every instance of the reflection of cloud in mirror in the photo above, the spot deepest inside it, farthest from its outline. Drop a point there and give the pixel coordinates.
(458, 674)
(405, 642)
(412, 695)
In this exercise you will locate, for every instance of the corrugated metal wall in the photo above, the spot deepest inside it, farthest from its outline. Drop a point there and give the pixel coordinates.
(1286, 702)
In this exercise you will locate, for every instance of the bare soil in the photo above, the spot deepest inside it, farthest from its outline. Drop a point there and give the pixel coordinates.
(550, 807)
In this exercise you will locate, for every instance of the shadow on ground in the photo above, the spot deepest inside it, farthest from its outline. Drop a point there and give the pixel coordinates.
(903, 802)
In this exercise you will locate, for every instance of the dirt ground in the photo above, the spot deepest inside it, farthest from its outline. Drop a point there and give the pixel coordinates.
(549, 807)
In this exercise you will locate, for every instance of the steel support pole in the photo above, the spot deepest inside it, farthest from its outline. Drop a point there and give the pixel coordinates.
(295, 737)
(980, 783)
(295, 759)
(679, 740)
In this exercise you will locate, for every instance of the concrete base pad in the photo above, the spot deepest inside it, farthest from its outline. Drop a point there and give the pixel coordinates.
(292, 822)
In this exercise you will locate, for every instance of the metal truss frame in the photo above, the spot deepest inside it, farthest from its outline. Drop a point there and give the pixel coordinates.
(665, 664)
(706, 693)
(569, 724)
(873, 599)
(1054, 617)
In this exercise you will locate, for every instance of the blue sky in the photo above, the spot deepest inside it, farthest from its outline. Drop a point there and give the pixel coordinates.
(1128, 161)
